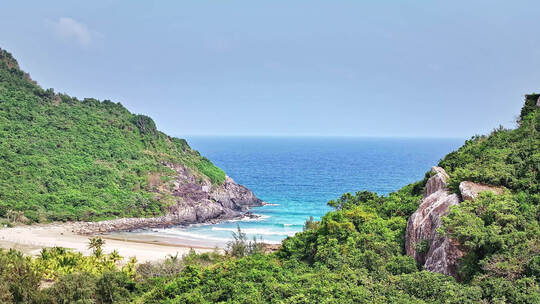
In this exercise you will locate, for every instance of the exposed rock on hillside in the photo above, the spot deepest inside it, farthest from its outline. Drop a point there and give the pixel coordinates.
(422, 242)
(197, 201)
(435, 252)
(436, 182)
(470, 190)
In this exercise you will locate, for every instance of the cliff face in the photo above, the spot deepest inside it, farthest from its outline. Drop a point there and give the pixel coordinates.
(195, 202)
(435, 251)
(200, 201)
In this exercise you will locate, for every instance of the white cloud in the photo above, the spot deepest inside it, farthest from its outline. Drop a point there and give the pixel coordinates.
(69, 28)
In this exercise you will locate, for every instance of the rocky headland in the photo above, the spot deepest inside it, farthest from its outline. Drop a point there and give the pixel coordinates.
(196, 201)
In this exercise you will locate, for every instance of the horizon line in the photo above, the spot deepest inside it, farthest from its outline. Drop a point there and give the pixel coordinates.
(323, 136)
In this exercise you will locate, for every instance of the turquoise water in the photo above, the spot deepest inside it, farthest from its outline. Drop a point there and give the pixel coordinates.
(298, 176)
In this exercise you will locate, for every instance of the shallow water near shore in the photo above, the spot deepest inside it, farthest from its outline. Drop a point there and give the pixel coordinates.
(297, 176)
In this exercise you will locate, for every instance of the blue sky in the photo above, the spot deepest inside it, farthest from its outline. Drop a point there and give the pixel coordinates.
(352, 68)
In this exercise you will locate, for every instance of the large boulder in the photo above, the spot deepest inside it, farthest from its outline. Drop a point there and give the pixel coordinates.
(434, 252)
(436, 182)
(469, 190)
(438, 252)
(234, 196)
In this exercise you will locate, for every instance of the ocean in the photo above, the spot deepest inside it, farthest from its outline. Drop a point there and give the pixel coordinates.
(297, 176)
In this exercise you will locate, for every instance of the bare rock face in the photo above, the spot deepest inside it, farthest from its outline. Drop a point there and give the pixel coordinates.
(436, 182)
(234, 196)
(435, 252)
(197, 201)
(469, 190)
(538, 102)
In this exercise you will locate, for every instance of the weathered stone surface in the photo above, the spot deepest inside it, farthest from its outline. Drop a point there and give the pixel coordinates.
(538, 102)
(423, 224)
(197, 201)
(436, 182)
(440, 254)
(469, 190)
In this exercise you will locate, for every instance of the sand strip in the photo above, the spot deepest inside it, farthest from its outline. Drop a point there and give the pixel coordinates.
(30, 240)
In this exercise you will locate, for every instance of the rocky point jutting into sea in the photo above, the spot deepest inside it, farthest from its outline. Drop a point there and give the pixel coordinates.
(196, 201)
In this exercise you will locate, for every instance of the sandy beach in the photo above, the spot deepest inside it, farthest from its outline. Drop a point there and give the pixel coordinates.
(30, 240)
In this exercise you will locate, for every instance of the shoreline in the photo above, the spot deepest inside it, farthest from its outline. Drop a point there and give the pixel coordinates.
(32, 238)
(166, 221)
(124, 235)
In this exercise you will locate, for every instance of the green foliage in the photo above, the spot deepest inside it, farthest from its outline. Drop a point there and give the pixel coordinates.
(216, 175)
(240, 246)
(114, 287)
(19, 280)
(73, 288)
(311, 224)
(96, 244)
(55, 262)
(64, 159)
(422, 246)
(509, 158)
(145, 124)
(530, 105)
(501, 240)
(366, 231)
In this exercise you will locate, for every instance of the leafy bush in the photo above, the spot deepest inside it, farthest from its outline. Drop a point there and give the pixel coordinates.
(240, 246)
(501, 240)
(73, 288)
(19, 280)
(145, 124)
(509, 158)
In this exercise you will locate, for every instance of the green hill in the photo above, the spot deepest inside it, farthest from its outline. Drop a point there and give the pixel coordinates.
(67, 159)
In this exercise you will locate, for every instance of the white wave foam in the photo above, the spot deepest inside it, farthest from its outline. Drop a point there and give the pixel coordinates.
(257, 231)
(259, 217)
(188, 235)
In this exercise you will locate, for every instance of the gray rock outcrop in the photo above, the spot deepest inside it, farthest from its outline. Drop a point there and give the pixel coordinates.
(196, 200)
(436, 252)
(469, 190)
(437, 181)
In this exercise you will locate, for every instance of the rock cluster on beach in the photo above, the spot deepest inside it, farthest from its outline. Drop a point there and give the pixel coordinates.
(197, 201)
(436, 252)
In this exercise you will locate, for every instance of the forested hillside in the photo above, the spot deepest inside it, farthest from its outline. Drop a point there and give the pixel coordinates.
(67, 159)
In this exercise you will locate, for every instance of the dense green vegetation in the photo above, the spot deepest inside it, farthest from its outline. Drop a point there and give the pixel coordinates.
(67, 159)
(354, 254)
(508, 158)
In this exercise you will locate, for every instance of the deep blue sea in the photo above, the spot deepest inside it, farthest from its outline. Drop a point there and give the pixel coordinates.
(297, 176)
